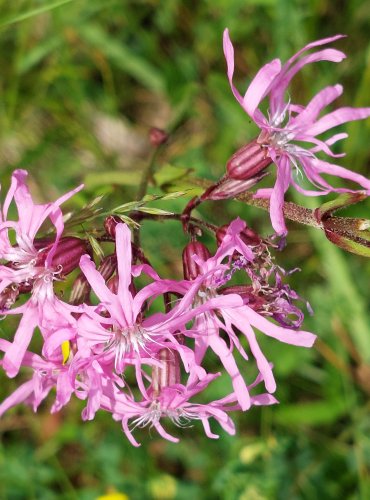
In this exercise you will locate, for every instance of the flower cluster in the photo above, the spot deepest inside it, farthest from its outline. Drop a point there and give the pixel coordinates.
(122, 353)
(137, 345)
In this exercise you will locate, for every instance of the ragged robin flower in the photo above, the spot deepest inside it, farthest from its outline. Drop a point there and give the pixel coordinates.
(289, 133)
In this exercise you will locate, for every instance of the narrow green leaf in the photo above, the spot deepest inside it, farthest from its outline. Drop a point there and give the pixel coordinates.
(154, 211)
(95, 246)
(129, 221)
(34, 56)
(15, 18)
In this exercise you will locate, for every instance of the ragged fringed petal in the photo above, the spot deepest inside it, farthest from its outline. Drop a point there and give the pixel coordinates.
(64, 391)
(232, 242)
(337, 117)
(31, 215)
(310, 113)
(206, 327)
(281, 83)
(14, 355)
(263, 365)
(294, 337)
(97, 282)
(163, 433)
(259, 86)
(20, 395)
(124, 258)
(229, 56)
(277, 196)
(328, 168)
(312, 45)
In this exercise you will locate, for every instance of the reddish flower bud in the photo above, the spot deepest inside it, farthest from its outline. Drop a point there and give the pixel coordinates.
(249, 236)
(191, 268)
(248, 161)
(157, 136)
(168, 373)
(108, 266)
(8, 296)
(80, 292)
(231, 188)
(110, 224)
(67, 254)
(112, 284)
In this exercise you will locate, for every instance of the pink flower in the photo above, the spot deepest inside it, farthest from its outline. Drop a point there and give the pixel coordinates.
(29, 268)
(235, 317)
(287, 125)
(48, 373)
(116, 328)
(173, 402)
(24, 256)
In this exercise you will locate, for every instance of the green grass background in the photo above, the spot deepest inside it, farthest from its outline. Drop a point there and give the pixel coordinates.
(81, 83)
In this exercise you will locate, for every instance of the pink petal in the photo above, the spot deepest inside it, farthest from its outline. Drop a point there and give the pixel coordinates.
(17, 349)
(18, 177)
(220, 348)
(229, 56)
(97, 282)
(282, 82)
(337, 117)
(277, 196)
(165, 434)
(260, 86)
(19, 396)
(128, 433)
(264, 400)
(311, 45)
(322, 99)
(124, 259)
(329, 168)
(207, 429)
(264, 193)
(293, 337)
(239, 318)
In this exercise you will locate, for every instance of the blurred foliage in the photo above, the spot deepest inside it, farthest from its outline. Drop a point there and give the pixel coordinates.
(82, 81)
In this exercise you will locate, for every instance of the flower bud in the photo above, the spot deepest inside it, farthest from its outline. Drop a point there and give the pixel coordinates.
(8, 296)
(157, 136)
(108, 266)
(248, 161)
(68, 254)
(80, 290)
(110, 224)
(112, 284)
(168, 373)
(248, 236)
(230, 188)
(191, 268)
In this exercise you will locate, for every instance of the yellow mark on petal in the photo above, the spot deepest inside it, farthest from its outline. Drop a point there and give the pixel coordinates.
(65, 351)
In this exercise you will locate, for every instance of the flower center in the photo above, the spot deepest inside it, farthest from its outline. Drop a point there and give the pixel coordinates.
(179, 416)
(123, 341)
